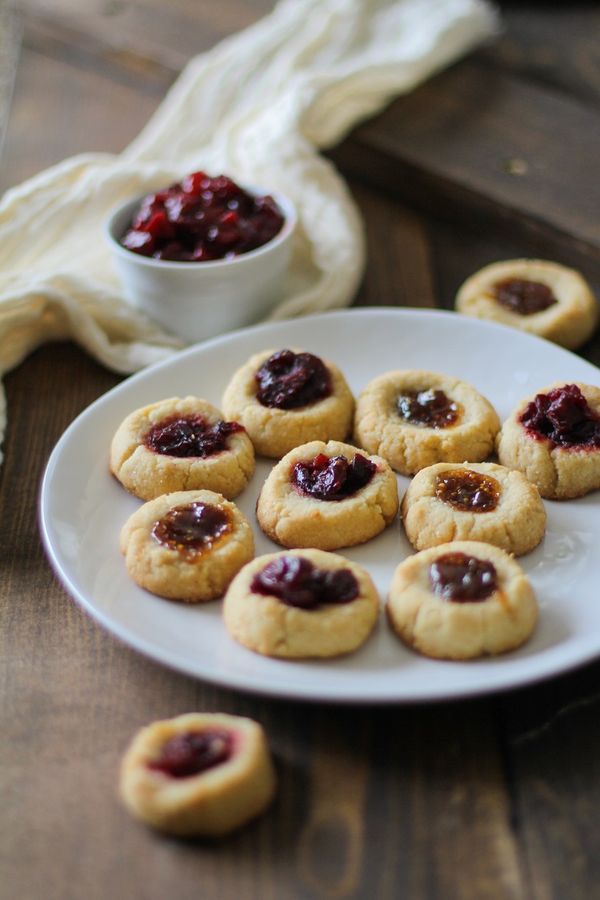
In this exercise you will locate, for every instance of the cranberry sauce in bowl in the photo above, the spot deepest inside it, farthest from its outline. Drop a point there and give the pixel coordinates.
(201, 218)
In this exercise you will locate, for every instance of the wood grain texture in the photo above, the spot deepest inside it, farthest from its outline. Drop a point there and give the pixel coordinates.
(495, 798)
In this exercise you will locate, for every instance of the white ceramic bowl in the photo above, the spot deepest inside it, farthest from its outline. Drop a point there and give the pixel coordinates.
(197, 300)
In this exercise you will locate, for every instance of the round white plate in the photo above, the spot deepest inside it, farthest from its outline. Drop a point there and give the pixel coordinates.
(82, 509)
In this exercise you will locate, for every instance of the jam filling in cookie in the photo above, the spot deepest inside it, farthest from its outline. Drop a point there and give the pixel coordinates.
(468, 491)
(564, 417)
(297, 582)
(190, 436)
(522, 296)
(333, 477)
(192, 529)
(461, 578)
(193, 752)
(430, 408)
(288, 380)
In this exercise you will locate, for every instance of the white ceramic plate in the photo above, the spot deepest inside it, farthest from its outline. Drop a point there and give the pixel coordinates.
(83, 508)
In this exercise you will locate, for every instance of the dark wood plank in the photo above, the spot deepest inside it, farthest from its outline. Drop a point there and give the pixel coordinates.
(477, 144)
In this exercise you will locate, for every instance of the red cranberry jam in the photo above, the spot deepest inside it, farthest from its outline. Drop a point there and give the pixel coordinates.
(297, 582)
(201, 219)
(519, 295)
(431, 408)
(564, 417)
(193, 528)
(288, 380)
(186, 436)
(468, 491)
(461, 578)
(333, 478)
(193, 752)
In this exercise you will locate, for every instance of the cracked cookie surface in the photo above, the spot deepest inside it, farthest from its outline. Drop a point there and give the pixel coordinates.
(295, 520)
(274, 432)
(202, 774)
(475, 502)
(147, 472)
(445, 628)
(468, 426)
(169, 555)
(265, 624)
(559, 472)
(537, 296)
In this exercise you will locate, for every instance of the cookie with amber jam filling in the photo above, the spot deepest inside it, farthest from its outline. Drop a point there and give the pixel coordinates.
(187, 545)
(327, 496)
(534, 295)
(473, 502)
(181, 444)
(199, 774)
(461, 600)
(301, 603)
(553, 437)
(284, 398)
(417, 418)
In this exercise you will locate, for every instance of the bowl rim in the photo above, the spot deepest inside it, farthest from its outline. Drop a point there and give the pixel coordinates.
(290, 221)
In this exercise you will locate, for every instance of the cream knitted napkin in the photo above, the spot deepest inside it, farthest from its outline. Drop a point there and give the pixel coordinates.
(258, 107)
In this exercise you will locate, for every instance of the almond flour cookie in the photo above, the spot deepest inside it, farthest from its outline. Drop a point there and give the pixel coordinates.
(461, 600)
(200, 774)
(327, 496)
(474, 502)
(553, 437)
(542, 298)
(301, 603)
(181, 444)
(187, 545)
(415, 418)
(288, 397)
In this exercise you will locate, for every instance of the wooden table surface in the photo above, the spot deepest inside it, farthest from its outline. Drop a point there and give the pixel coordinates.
(489, 798)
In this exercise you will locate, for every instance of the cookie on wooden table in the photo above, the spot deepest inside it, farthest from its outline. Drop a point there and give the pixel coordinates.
(553, 437)
(474, 502)
(461, 600)
(187, 545)
(540, 297)
(300, 604)
(416, 418)
(284, 398)
(181, 444)
(199, 774)
(327, 496)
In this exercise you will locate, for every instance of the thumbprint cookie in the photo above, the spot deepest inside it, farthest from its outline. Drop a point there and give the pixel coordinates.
(301, 603)
(461, 600)
(199, 774)
(415, 418)
(540, 297)
(473, 502)
(187, 545)
(288, 397)
(553, 437)
(181, 444)
(327, 496)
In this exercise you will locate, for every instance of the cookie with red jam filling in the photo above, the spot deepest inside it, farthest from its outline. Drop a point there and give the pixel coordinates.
(534, 295)
(461, 600)
(327, 496)
(284, 398)
(299, 604)
(181, 444)
(473, 502)
(553, 437)
(187, 545)
(416, 418)
(199, 774)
